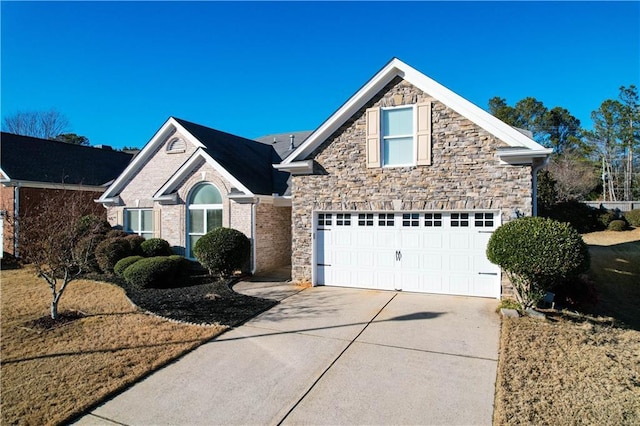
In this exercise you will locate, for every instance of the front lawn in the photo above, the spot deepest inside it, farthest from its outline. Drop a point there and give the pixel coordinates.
(50, 374)
(574, 368)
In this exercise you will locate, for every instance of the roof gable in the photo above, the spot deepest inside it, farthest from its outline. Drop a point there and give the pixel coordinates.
(245, 163)
(396, 68)
(25, 158)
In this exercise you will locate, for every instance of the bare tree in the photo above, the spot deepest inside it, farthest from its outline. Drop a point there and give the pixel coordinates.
(38, 124)
(574, 176)
(48, 235)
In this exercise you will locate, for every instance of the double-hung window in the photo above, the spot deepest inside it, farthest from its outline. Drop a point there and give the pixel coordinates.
(397, 137)
(139, 221)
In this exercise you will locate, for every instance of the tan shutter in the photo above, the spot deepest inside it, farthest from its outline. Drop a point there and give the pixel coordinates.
(157, 216)
(120, 218)
(423, 134)
(373, 137)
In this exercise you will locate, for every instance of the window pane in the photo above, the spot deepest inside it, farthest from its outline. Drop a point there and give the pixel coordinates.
(147, 221)
(196, 221)
(398, 151)
(214, 219)
(192, 243)
(206, 194)
(131, 220)
(397, 122)
(147, 235)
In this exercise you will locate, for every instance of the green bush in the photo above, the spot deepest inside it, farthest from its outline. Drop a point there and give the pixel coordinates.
(91, 224)
(617, 225)
(606, 217)
(633, 217)
(581, 216)
(155, 247)
(537, 254)
(155, 272)
(110, 251)
(85, 252)
(124, 263)
(135, 241)
(223, 251)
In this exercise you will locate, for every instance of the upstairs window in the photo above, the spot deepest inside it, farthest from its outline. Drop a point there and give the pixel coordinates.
(397, 137)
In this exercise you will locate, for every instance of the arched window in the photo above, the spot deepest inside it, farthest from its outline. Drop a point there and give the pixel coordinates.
(204, 213)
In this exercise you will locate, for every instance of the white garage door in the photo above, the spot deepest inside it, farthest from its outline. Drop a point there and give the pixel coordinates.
(428, 252)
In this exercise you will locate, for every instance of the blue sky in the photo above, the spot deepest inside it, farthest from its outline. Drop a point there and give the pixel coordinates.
(118, 70)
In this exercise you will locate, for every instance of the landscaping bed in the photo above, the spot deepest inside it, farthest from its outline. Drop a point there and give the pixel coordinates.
(200, 300)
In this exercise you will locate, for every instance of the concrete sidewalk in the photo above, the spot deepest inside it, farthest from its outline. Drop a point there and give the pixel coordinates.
(330, 356)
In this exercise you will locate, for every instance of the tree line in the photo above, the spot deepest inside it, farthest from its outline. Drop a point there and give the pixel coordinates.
(596, 164)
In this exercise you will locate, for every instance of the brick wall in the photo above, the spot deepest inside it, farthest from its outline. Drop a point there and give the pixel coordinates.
(464, 174)
(273, 237)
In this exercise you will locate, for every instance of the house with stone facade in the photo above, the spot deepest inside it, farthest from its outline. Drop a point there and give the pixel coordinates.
(34, 170)
(401, 188)
(189, 179)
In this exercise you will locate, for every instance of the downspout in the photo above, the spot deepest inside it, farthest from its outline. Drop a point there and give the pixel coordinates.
(253, 233)
(535, 185)
(16, 224)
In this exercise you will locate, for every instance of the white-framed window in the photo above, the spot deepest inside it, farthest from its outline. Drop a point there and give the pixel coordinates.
(139, 221)
(204, 213)
(397, 136)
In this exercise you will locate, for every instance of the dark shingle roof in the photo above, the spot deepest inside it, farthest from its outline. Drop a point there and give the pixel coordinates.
(41, 160)
(248, 161)
(281, 142)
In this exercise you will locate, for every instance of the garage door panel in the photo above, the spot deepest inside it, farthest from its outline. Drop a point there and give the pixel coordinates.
(422, 252)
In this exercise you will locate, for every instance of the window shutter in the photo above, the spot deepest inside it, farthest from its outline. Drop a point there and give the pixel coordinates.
(120, 218)
(373, 137)
(156, 223)
(423, 134)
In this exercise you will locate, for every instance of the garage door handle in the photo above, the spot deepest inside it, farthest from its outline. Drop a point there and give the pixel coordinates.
(398, 255)
(487, 273)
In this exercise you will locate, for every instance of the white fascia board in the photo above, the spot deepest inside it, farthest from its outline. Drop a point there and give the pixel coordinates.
(522, 156)
(296, 168)
(452, 100)
(275, 199)
(242, 198)
(186, 133)
(141, 158)
(188, 167)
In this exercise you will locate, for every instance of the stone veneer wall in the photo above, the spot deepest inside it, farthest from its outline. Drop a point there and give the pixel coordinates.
(464, 174)
(273, 237)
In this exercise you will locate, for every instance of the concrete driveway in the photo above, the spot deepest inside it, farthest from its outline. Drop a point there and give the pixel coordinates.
(329, 355)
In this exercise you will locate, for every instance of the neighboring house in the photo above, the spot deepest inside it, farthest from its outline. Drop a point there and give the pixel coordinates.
(33, 170)
(401, 188)
(189, 179)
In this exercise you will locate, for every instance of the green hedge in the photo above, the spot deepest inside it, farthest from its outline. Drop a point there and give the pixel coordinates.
(110, 251)
(156, 272)
(155, 247)
(124, 263)
(538, 253)
(223, 251)
(617, 225)
(135, 241)
(633, 217)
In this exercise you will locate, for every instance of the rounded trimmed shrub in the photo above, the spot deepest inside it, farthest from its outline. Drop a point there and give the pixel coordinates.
(223, 251)
(538, 253)
(124, 263)
(153, 272)
(92, 224)
(85, 252)
(617, 225)
(605, 218)
(155, 247)
(116, 233)
(633, 217)
(110, 251)
(135, 241)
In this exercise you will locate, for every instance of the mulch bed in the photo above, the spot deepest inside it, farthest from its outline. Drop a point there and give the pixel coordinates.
(200, 300)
